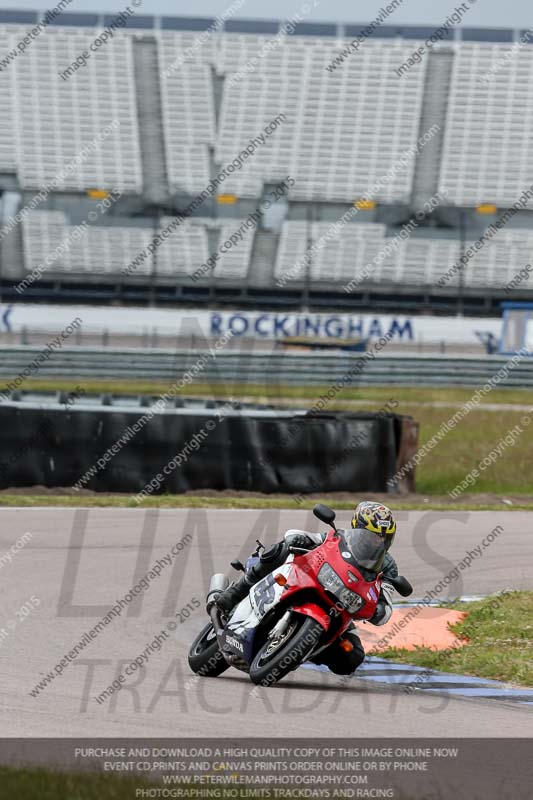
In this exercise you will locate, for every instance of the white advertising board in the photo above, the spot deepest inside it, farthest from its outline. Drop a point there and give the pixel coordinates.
(255, 324)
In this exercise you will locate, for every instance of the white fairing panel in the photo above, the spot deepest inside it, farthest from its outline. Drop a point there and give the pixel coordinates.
(263, 596)
(267, 593)
(243, 618)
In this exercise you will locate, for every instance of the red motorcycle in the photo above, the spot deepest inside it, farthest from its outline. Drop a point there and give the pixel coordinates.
(293, 614)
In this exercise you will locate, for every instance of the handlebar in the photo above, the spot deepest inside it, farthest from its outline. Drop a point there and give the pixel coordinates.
(401, 584)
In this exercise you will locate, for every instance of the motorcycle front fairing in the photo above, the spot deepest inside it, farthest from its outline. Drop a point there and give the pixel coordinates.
(332, 556)
(306, 576)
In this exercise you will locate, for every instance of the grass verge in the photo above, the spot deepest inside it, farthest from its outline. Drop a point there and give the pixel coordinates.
(499, 630)
(21, 500)
(43, 784)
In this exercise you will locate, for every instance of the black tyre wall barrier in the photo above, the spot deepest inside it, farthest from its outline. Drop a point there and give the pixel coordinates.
(116, 450)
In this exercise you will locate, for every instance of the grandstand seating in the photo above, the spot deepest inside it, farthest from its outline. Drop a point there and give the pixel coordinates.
(236, 262)
(417, 261)
(188, 112)
(43, 232)
(107, 250)
(185, 249)
(293, 244)
(424, 262)
(99, 250)
(53, 120)
(488, 144)
(347, 254)
(343, 131)
(8, 159)
(500, 260)
(339, 258)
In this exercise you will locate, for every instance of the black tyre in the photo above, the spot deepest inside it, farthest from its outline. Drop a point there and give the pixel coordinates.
(205, 658)
(279, 656)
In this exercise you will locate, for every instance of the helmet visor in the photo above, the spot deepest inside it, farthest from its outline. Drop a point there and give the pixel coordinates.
(367, 548)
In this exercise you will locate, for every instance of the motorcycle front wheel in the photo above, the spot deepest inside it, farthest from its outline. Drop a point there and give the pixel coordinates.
(284, 653)
(205, 658)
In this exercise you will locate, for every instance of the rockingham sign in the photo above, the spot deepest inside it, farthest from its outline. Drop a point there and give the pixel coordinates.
(322, 326)
(247, 324)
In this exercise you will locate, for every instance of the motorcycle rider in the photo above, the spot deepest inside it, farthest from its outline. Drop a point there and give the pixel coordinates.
(372, 533)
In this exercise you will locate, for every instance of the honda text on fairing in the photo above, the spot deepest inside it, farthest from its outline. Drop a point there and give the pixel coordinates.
(292, 615)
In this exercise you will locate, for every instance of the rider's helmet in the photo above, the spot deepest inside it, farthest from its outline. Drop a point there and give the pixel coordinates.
(372, 534)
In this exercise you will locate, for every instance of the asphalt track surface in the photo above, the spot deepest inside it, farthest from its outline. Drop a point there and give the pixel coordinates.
(78, 563)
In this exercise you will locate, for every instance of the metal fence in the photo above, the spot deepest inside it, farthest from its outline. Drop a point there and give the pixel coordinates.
(17, 364)
(155, 339)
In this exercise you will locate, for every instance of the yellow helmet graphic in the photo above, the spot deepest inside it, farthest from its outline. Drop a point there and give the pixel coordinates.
(375, 517)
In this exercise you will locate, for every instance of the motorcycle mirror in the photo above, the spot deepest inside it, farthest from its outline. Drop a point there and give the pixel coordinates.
(325, 514)
(402, 585)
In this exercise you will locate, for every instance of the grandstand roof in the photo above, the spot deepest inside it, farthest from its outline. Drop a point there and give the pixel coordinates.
(259, 26)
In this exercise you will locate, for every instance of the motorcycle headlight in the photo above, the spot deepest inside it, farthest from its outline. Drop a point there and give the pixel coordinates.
(329, 579)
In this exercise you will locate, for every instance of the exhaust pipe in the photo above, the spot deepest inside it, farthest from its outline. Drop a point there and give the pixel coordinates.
(218, 584)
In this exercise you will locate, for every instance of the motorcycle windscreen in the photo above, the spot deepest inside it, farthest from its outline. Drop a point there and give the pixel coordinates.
(367, 548)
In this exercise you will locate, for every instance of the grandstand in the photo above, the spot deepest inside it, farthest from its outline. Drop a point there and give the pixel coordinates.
(161, 116)
(488, 143)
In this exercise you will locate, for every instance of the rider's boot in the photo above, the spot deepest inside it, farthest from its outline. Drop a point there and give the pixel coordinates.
(229, 598)
(273, 557)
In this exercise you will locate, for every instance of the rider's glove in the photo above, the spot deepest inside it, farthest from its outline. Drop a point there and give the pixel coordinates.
(383, 611)
(299, 540)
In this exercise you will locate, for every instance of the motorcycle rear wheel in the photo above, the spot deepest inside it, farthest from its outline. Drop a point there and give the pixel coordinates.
(278, 657)
(205, 658)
